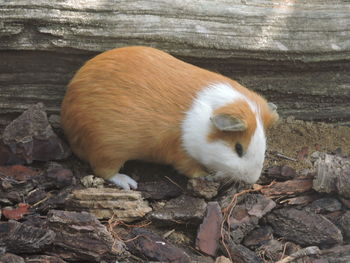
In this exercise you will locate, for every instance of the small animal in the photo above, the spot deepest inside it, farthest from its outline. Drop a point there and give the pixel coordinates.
(142, 103)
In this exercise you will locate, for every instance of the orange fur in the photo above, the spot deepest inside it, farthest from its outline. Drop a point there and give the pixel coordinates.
(241, 110)
(128, 103)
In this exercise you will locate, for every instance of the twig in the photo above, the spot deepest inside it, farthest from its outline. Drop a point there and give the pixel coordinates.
(112, 223)
(227, 211)
(308, 251)
(172, 181)
(280, 155)
(284, 250)
(43, 200)
(168, 233)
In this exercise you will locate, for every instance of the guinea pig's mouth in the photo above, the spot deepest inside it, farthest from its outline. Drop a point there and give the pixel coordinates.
(230, 177)
(219, 176)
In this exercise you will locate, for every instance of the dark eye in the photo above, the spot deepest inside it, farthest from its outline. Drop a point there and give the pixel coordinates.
(239, 149)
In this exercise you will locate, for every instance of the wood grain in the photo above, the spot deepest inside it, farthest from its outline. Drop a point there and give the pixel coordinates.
(296, 53)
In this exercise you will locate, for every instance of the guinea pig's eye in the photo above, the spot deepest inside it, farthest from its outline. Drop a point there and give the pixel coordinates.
(239, 149)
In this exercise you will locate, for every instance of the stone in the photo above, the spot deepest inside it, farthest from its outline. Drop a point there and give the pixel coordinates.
(20, 238)
(81, 237)
(304, 228)
(150, 246)
(203, 187)
(181, 210)
(30, 137)
(106, 203)
(209, 232)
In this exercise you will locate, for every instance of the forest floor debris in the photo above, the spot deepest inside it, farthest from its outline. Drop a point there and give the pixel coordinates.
(300, 207)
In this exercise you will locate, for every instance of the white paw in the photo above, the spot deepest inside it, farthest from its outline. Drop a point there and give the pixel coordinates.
(123, 181)
(218, 176)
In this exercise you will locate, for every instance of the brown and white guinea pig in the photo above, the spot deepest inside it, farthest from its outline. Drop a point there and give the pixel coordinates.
(142, 103)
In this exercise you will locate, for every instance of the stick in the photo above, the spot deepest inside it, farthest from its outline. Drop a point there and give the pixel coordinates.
(308, 251)
(280, 155)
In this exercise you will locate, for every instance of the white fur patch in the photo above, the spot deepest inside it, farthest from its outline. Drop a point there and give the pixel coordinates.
(217, 156)
(124, 181)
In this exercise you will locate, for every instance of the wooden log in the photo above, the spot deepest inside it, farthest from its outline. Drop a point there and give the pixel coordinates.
(291, 187)
(332, 175)
(296, 53)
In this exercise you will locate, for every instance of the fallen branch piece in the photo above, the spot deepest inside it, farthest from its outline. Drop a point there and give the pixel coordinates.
(109, 202)
(308, 251)
(332, 175)
(290, 187)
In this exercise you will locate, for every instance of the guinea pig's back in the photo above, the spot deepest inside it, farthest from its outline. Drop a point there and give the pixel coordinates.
(129, 101)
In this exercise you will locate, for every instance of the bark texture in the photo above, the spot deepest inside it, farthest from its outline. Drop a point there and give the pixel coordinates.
(296, 53)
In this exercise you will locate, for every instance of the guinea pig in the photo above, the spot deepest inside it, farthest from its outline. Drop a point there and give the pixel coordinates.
(141, 103)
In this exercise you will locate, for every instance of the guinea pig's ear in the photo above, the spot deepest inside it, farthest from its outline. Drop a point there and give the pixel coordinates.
(272, 107)
(226, 122)
(274, 114)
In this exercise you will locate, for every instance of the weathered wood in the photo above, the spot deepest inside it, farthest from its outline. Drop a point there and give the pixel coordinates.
(149, 245)
(241, 254)
(106, 203)
(304, 228)
(225, 27)
(185, 209)
(30, 137)
(21, 238)
(290, 187)
(297, 53)
(332, 175)
(209, 231)
(339, 254)
(81, 237)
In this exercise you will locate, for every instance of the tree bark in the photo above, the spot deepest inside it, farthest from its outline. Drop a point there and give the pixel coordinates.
(296, 53)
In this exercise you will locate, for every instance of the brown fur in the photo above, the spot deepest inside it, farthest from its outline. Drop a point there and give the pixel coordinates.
(128, 103)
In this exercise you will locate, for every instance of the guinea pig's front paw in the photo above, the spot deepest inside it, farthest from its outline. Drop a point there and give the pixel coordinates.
(210, 178)
(123, 181)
